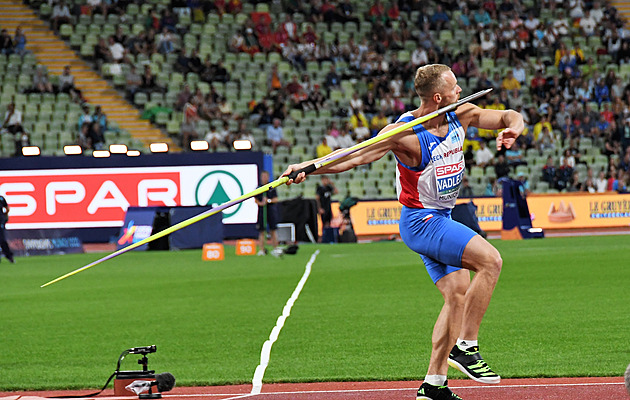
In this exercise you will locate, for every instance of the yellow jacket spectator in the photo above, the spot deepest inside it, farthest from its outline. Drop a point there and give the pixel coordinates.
(510, 82)
(358, 115)
(323, 149)
(539, 127)
(378, 122)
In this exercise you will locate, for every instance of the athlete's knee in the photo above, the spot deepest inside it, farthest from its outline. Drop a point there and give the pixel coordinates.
(494, 264)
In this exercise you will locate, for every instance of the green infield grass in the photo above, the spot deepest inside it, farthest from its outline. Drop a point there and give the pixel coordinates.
(366, 313)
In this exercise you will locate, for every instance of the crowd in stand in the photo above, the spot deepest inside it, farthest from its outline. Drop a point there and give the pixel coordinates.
(12, 45)
(563, 58)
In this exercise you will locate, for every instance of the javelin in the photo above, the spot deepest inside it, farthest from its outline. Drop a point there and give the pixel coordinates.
(278, 182)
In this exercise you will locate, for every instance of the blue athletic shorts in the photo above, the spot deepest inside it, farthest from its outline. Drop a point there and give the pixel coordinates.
(438, 239)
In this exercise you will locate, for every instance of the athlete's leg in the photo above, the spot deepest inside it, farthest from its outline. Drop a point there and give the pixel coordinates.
(482, 258)
(453, 288)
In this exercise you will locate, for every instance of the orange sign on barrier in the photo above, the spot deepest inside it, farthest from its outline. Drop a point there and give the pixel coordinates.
(245, 247)
(213, 252)
(549, 211)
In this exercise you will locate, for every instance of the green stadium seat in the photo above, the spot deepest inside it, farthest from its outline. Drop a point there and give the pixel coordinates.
(140, 99)
(65, 30)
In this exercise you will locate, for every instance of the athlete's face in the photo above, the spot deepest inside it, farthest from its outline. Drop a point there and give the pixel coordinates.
(451, 91)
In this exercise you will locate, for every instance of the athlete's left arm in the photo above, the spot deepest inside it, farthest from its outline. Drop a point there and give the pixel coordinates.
(509, 120)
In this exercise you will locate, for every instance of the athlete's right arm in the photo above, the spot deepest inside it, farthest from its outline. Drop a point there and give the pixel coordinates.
(366, 155)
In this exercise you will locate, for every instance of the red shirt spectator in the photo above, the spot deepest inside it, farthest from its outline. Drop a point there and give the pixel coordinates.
(489, 6)
(377, 9)
(608, 115)
(310, 36)
(538, 81)
(234, 6)
(393, 12)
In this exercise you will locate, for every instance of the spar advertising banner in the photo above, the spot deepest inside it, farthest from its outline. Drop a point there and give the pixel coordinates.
(557, 211)
(99, 197)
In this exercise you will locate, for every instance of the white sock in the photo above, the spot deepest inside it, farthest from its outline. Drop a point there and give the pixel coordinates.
(435, 380)
(464, 343)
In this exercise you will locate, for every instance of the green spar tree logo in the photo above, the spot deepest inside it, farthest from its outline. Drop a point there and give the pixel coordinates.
(219, 194)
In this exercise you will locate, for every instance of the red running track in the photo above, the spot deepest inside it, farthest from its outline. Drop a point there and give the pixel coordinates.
(508, 389)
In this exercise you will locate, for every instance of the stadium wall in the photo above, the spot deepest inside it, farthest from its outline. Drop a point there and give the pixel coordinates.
(564, 211)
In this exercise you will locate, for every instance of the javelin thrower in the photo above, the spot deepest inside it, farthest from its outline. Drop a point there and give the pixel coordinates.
(429, 170)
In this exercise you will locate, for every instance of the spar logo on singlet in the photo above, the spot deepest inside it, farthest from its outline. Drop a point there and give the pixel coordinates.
(449, 177)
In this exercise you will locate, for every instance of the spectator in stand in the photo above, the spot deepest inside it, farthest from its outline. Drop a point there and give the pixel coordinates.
(378, 122)
(250, 42)
(465, 19)
(96, 138)
(275, 136)
(189, 124)
(550, 173)
(565, 174)
(323, 149)
(361, 133)
(514, 155)
(168, 20)
(466, 191)
(419, 57)
(469, 157)
(101, 53)
(510, 82)
(568, 158)
(116, 50)
(66, 85)
(181, 63)
(215, 139)
(538, 127)
(482, 17)
(575, 185)
(483, 156)
(548, 140)
(522, 177)
(273, 81)
(439, 19)
(85, 126)
(19, 42)
(290, 28)
(194, 62)
(165, 41)
(316, 98)
(332, 80)
(356, 116)
(6, 43)
(220, 73)
(100, 119)
(624, 164)
(601, 92)
(13, 124)
(601, 183)
(377, 12)
(148, 80)
(60, 15)
(501, 167)
(587, 24)
(134, 81)
(41, 84)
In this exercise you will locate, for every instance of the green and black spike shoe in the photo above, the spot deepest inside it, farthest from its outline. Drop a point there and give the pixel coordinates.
(430, 392)
(469, 361)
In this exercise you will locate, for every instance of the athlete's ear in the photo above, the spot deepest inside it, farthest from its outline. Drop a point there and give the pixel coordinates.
(437, 97)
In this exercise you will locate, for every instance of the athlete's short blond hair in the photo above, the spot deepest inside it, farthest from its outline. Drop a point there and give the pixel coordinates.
(429, 79)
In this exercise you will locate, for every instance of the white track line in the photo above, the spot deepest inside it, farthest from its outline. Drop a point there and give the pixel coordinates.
(273, 336)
